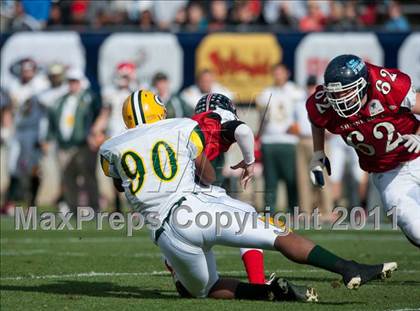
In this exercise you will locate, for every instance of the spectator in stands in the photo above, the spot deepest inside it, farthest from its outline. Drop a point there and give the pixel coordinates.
(39, 10)
(309, 197)
(165, 12)
(140, 12)
(58, 86)
(241, 14)
(71, 121)
(146, 20)
(368, 13)
(285, 13)
(314, 20)
(343, 17)
(23, 21)
(79, 12)
(246, 13)
(56, 15)
(196, 19)
(334, 20)
(218, 15)
(119, 12)
(176, 107)
(7, 13)
(205, 83)
(277, 105)
(397, 21)
(180, 18)
(100, 13)
(350, 20)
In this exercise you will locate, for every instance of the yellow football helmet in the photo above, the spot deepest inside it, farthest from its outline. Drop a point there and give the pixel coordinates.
(142, 107)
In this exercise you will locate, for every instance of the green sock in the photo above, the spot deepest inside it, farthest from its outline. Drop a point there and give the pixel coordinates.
(322, 258)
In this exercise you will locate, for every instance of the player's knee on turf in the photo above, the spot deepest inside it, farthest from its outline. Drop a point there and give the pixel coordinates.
(197, 286)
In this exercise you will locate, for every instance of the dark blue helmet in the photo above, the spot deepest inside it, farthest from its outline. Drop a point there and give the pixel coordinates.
(345, 84)
(212, 101)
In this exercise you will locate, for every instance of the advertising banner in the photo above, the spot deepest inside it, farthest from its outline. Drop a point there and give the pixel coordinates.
(151, 53)
(64, 47)
(409, 58)
(317, 49)
(241, 62)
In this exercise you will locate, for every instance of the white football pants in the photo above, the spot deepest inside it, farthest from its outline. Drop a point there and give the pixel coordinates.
(400, 188)
(201, 222)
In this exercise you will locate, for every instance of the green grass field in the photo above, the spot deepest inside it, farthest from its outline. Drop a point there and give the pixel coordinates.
(105, 270)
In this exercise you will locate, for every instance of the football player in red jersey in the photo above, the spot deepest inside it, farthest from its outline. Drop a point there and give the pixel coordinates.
(376, 111)
(217, 119)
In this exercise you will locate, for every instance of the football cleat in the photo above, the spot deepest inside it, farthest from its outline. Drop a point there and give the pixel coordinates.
(284, 290)
(361, 274)
(387, 269)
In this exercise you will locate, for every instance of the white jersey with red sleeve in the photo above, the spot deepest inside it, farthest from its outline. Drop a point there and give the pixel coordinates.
(375, 130)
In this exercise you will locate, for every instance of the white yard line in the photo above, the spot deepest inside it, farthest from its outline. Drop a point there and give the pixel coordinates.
(82, 275)
(111, 274)
(73, 254)
(118, 274)
(72, 240)
(80, 254)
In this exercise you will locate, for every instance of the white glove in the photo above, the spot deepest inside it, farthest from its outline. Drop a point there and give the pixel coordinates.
(316, 167)
(412, 142)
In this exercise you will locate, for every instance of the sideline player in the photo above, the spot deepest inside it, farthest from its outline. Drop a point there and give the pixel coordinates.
(376, 111)
(155, 163)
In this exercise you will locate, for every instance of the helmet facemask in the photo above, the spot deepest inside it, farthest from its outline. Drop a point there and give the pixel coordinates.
(346, 100)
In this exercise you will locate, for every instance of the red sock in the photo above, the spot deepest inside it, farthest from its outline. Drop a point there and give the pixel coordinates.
(254, 265)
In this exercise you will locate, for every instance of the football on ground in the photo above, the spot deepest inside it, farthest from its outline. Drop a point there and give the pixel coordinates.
(92, 270)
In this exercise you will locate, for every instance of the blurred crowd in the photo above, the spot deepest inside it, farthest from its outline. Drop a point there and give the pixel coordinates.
(203, 16)
(54, 112)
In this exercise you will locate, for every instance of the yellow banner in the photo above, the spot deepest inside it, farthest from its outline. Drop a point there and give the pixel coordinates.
(240, 62)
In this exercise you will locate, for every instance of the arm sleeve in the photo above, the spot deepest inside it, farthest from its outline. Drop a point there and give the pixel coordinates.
(196, 142)
(245, 139)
